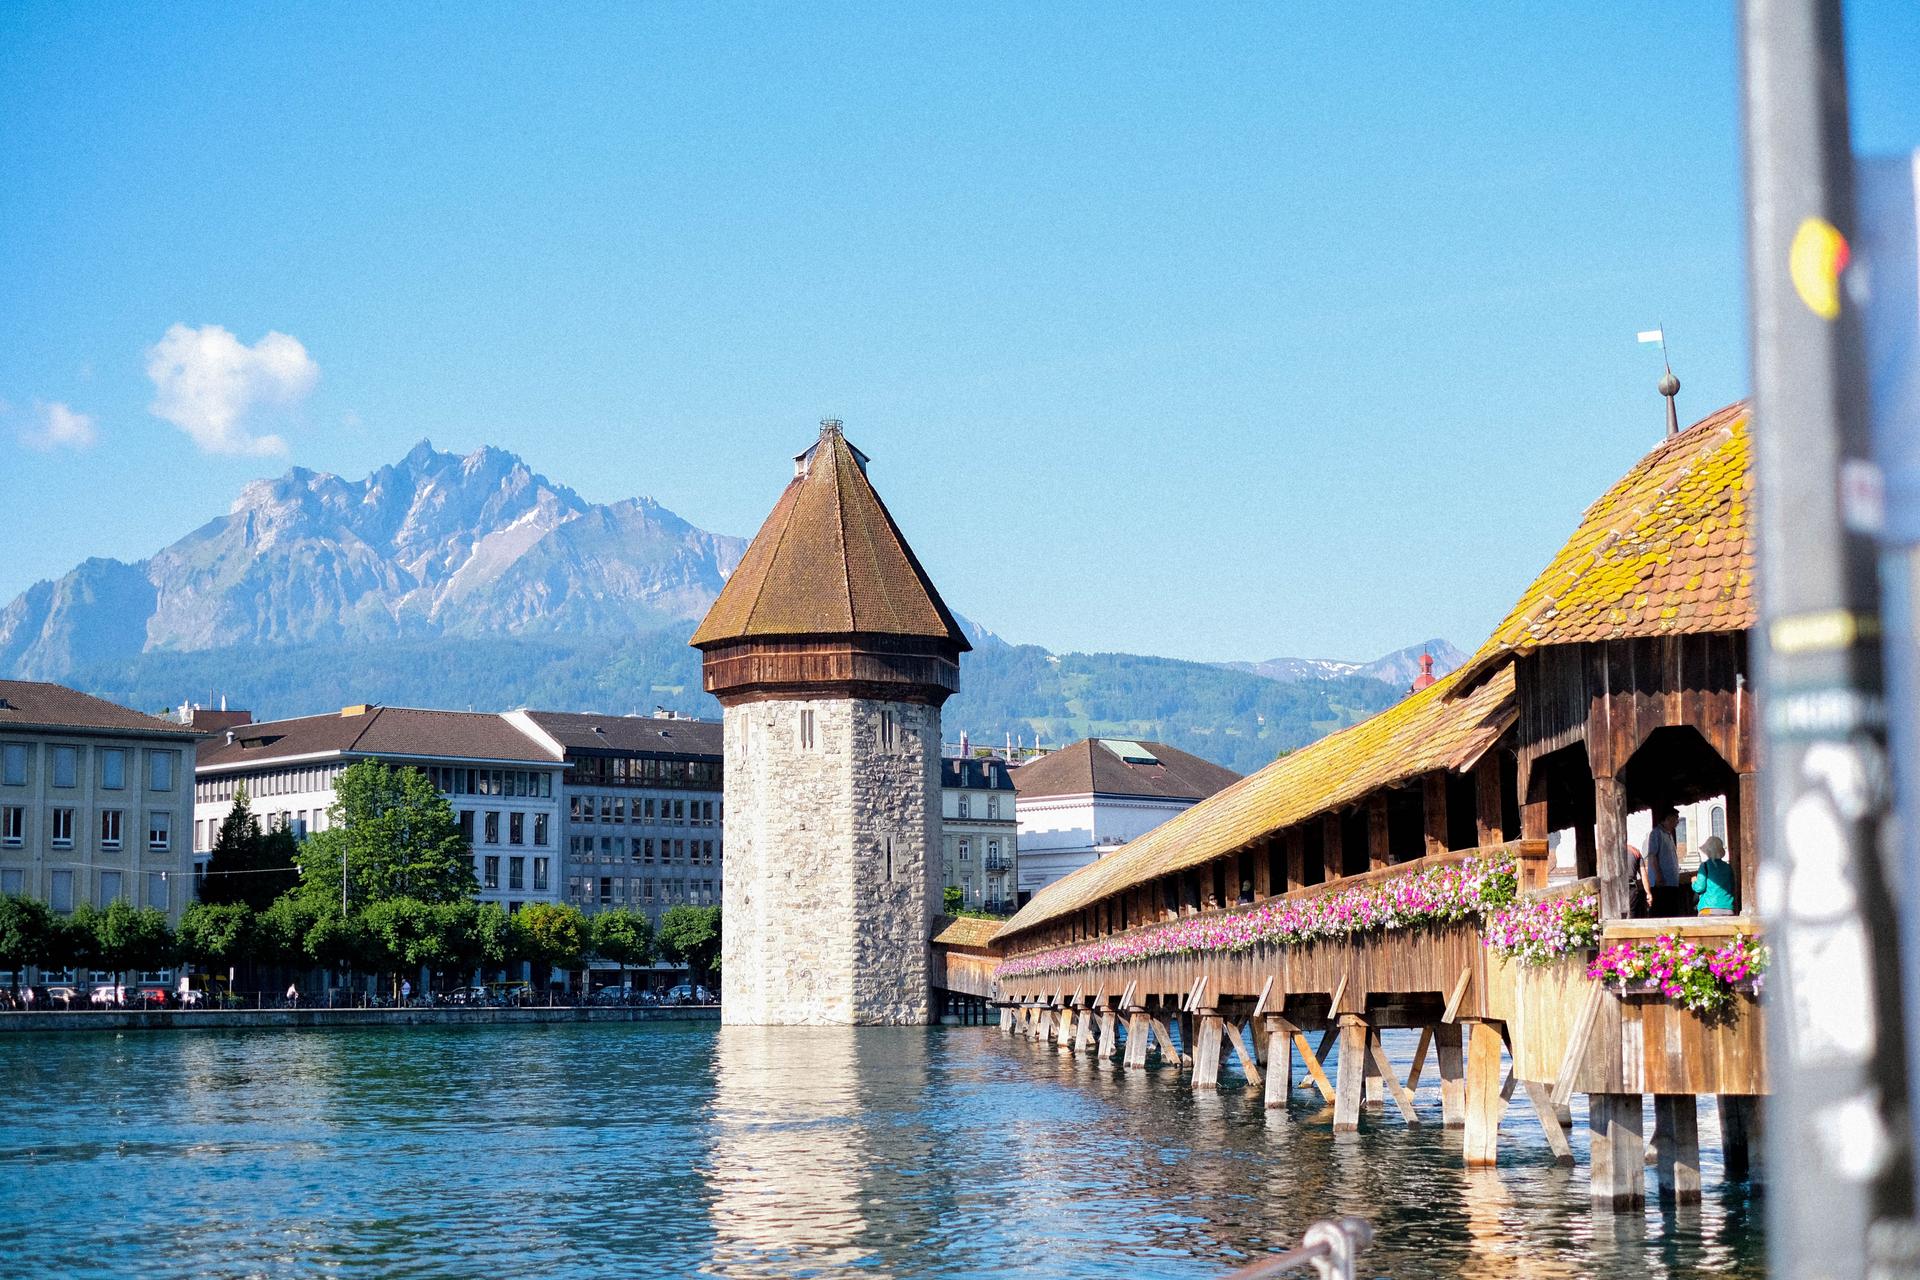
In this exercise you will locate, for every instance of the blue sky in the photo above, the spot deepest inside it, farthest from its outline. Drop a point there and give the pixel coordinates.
(1211, 332)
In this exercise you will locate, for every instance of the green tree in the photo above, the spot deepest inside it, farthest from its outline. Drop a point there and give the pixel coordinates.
(951, 900)
(26, 933)
(549, 934)
(219, 935)
(127, 937)
(339, 942)
(407, 934)
(479, 934)
(283, 929)
(397, 836)
(690, 935)
(623, 936)
(75, 941)
(247, 864)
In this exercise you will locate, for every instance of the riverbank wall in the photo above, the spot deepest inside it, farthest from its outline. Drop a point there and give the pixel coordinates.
(244, 1019)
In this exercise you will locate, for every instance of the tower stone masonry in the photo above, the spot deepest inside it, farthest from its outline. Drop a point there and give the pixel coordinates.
(831, 652)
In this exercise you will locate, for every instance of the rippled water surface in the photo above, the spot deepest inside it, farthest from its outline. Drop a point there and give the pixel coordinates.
(679, 1149)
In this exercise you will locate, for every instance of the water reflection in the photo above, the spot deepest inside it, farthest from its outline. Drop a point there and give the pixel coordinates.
(621, 1151)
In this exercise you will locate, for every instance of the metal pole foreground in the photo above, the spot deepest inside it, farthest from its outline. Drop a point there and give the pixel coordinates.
(1839, 1161)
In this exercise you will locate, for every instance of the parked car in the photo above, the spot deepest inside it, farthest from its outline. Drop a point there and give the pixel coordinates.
(107, 996)
(611, 995)
(689, 993)
(151, 996)
(62, 997)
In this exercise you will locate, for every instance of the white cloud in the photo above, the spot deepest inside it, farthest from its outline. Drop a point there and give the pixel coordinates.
(209, 384)
(58, 426)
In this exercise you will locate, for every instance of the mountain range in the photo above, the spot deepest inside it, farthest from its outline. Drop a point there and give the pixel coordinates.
(474, 581)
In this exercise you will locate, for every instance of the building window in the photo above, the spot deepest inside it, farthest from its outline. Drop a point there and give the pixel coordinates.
(65, 766)
(606, 891)
(13, 880)
(646, 850)
(61, 829)
(159, 832)
(13, 826)
(516, 828)
(1717, 822)
(966, 850)
(159, 770)
(993, 806)
(466, 825)
(540, 875)
(60, 890)
(110, 828)
(491, 878)
(157, 889)
(493, 826)
(516, 873)
(966, 807)
(806, 730)
(109, 887)
(13, 764)
(113, 768)
(887, 733)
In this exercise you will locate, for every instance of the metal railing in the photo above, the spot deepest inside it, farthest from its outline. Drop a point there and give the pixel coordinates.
(1329, 1247)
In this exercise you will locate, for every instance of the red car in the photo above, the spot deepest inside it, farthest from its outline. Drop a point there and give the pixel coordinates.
(150, 997)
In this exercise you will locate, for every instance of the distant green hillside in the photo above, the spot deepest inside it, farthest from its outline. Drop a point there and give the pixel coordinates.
(1238, 719)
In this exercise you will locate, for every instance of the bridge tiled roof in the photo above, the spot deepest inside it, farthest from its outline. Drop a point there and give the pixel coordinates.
(968, 931)
(1667, 550)
(829, 561)
(1423, 732)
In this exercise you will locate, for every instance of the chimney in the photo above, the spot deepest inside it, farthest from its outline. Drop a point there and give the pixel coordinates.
(966, 747)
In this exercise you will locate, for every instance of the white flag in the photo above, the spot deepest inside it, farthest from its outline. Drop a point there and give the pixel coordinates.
(1653, 335)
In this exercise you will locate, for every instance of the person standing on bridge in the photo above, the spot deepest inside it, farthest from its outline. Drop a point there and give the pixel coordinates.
(1661, 868)
(1713, 882)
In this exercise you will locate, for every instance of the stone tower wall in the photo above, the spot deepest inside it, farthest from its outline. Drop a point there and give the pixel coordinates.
(831, 882)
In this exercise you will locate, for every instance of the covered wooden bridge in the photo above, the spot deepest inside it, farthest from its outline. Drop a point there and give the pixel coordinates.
(1357, 884)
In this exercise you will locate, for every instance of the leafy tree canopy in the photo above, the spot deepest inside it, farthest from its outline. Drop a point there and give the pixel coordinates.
(129, 937)
(690, 935)
(549, 933)
(219, 935)
(247, 864)
(623, 936)
(398, 837)
(26, 932)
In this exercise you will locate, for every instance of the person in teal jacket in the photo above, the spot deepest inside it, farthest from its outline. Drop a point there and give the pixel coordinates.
(1713, 882)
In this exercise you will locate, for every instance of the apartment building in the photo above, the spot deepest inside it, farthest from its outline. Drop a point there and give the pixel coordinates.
(978, 832)
(95, 800)
(1084, 801)
(504, 786)
(641, 811)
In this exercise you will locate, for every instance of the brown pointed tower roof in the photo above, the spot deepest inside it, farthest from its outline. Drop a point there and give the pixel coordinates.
(829, 596)
(829, 561)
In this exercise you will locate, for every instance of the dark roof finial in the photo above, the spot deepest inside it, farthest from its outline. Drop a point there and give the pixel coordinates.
(1670, 388)
(830, 427)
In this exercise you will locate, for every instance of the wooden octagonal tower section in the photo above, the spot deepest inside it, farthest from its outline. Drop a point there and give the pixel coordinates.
(831, 653)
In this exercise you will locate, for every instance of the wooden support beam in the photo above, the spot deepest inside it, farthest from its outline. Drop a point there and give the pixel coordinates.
(1194, 996)
(1339, 990)
(1743, 828)
(1327, 1040)
(1577, 1040)
(1352, 1071)
(1279, 1035)
(1165, 1038)
(1533, 820)
(1316, 1074)
(1484, 1103)
(1447, 1043)
(1433, 808)
(1676, 1147)
(1083, 1033)
(1739, 1120)
(1506, 1088)
(1249, 1064)
(1419, 1064)
(1296, 838)
(1610, 822)
(1333, 846)
(1266, 989)
(1617, 1153)
(1109, 1034)
(1263, 870)
(1208, 1028)
(1459, 994)
(1487, 800)
(1379, 852)
(1187, 1036)
(1550, 1122)
(1139, 1038)
(1401, 1098)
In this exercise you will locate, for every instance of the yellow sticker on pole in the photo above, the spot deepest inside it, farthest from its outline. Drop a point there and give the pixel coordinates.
(1818, 255)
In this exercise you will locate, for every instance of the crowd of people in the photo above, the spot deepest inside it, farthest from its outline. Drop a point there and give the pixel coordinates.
(1657, 886)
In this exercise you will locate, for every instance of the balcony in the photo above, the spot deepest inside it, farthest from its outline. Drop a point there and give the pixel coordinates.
(998, 864)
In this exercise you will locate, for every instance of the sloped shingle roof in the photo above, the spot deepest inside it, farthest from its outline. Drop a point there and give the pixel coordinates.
(580, 731)
(1667, 550)
(1423, 732)
(37, 704)
(829, 561)
(1091, 767)
(396, 731)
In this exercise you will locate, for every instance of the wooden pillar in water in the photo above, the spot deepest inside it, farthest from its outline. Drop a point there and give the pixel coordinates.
(1083, 1032)
(1610, 834)
(1109, 1032)
(1447, 1046)
(1348, 1085)
(1739, 1130)
(1205, 1024)
(1485, 1101)
(1375, 1091)
(1617, 1150)
(1676, 1148)
(1279, 1037)
(1006, 1020)
(1139, 1038)
(1063, 1029)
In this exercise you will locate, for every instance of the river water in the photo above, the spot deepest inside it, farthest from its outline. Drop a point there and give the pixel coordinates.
(633, 1150)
